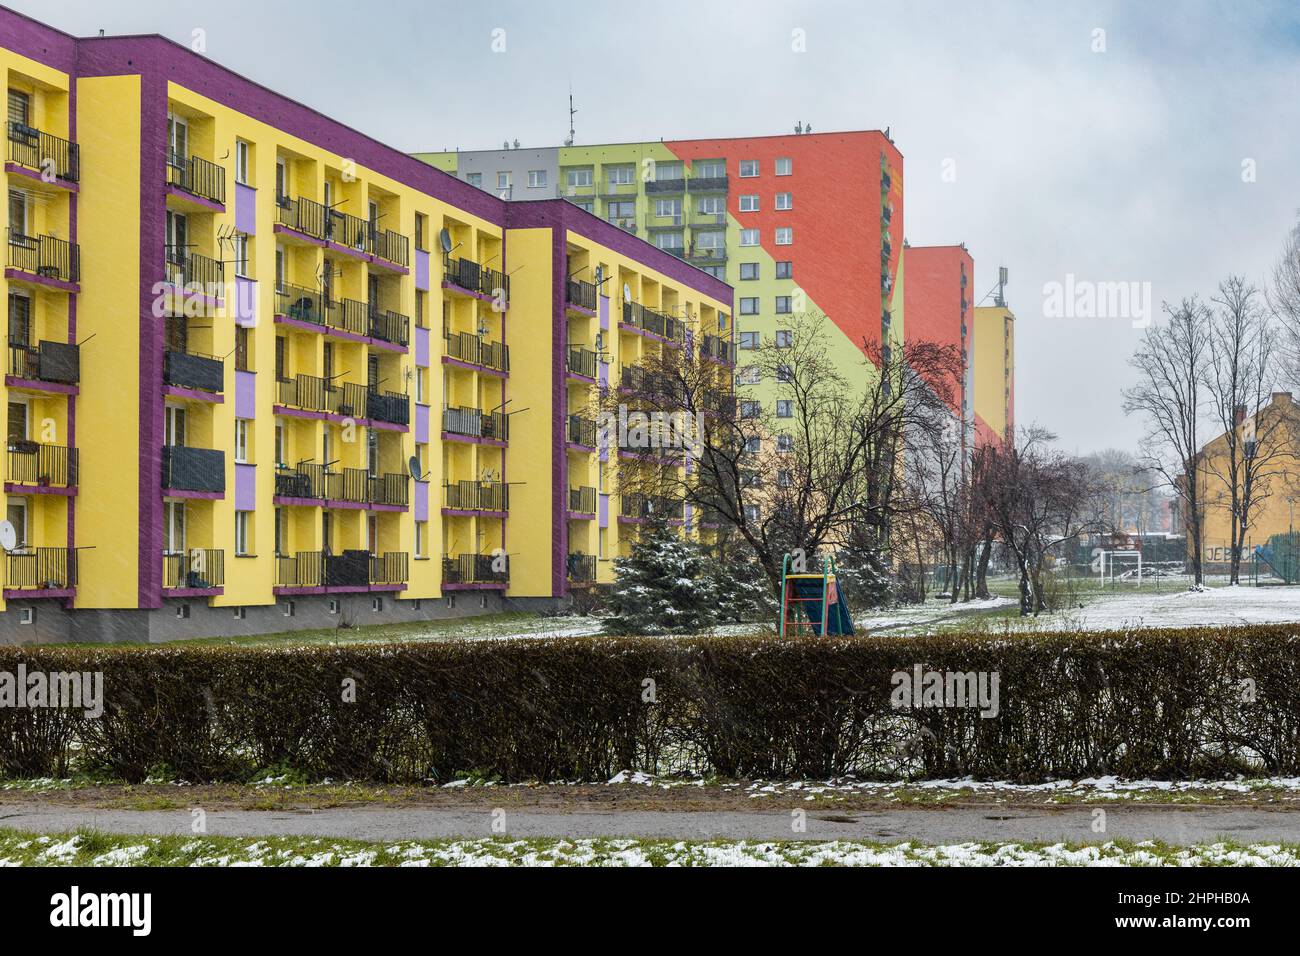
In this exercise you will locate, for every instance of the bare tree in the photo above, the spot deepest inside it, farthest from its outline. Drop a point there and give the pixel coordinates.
(1172, 364)
(1284, 302)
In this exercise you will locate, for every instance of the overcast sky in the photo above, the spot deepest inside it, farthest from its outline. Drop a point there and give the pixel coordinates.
(1022, 137)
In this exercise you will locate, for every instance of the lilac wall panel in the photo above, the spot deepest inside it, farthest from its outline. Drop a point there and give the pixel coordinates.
(245, 302)
(245, 394)
(421, 501)
(604, 313)
(422, 347)
(421, 423)
(603, 515)
(422, 270)
(246, 209)
(602, 375)
(245, 487)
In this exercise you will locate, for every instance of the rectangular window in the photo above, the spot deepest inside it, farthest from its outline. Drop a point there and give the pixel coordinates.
(749, 270)
(785, 200)
(280, 359)
(710, 242)
(242, 429)
(503, 180)
(20, 108)
(241, 254)
(783, 305)
(784, 408)
(749, 237)
(749, 340)
(622, 210)
(785, 270)
(241, 348)
(669, 208)
(421, 386)
(243, 162)
(421, 540)
(784, 338)
(665, 172)
(784, 166)
(421, 229)
(620, 175)
(748, 168)
(709, 169)
(749, 203)
(749, 305)
(750, 409)
(751, 375)
(712, 206)
(718, 272)
(243, 533)
(536, 179)
(577, 177)
(586, 205)
(784, 373)
(785, 443)
(784, 236)
(474, 179)
(669, 241)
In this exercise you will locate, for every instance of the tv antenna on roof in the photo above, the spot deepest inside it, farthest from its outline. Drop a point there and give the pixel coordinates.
(569, 141)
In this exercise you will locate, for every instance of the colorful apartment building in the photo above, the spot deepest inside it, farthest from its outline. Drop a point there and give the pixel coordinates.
(994, 352)
(808, 223)
(939, 298)
(265, 372)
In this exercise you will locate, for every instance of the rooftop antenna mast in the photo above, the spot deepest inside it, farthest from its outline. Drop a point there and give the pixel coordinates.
(569, 141)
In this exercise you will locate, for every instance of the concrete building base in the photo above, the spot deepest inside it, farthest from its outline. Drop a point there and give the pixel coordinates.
(49, 622)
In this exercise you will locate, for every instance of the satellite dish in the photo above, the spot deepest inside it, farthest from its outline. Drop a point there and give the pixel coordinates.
(414, 467)
(8, 535)
(444, 240)
(627, 292)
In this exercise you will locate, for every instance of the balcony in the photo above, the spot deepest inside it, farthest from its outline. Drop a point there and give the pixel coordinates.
(198, 569)
(304, 480)
(47, 258)
(474, 350)
(580, 568)
(200, 471)
(582, 294)
(666, 186)
(477, 496)
(304, 216)
(198, 177)
(351, 570)
(717, 349)
(41, 569)
(358, 486)
(582, 500)
(468, 275)
(42, 466)
(475, 423)
(656, 323)
(33, 149)
(644, 507)
(194, 272)
(303, 304)
(582, 431)
(582, 362)
(707, 184)
(391, 407)
(475, 569)
(348, 399)
(634, 378)
(329, 225)
(192, 370)
(56, 362)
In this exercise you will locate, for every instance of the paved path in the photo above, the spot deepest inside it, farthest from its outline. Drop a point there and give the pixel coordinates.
(1174, 826)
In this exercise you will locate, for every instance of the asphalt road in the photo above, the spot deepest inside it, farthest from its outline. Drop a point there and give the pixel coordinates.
(1076, 824)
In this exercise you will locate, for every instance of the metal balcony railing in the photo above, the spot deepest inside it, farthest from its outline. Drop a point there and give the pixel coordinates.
(40, 151)
(475, 423)
(35, 463)
(582, 500)
(197, 176)
(650, 506)
(475, 350)
(41, 569)
(200, 568)
(193, 469)
(303, 304)
(582, 362)
(195, 272)
(477, 496)
(44, 256)
(193, 370)
(58, 362)
(475, 569)
(582, 431)
(718, 349)
(582, 294)
(581, 568)
(304, 480)
(391, 567)
(473, 277)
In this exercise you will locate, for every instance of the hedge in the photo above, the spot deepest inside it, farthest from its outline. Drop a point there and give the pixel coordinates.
(1158, 704)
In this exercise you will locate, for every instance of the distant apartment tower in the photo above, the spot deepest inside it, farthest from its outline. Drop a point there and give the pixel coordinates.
(796, 224)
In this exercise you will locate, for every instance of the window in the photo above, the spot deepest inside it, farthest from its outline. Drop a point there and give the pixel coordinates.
(576, 177)
(785, 443)
(421, 540)
(474, 179)
(784, 236)
(421, 386)
(421, 230)
(751, 512)
(784, 478)
(709, 169)
(622, 210)
(782, 305)
(537, 179)
(16, 512)
(620, 175)
(242, 429)
(243, 533)
(784, 373)
(785, 270)
(241, 254)
(749, 203)
(243, 162)
(785, 200)
(718, 272)
(749, 270)
(748, 168)
(665, 172)
(750, 409)
(503, 179)
(753, 445)
(784, 338)
(751, 375)
(749, 340)
(712, 206)
(20, 108)
(18, 212)
(665, 208)
(784, 166)
(749, 305)
(784, 408)
(710, 243)
(280, 358)
(586, 205)
(669, 241)
(749, 237)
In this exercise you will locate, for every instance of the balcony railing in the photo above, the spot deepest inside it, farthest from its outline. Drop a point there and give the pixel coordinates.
(634, 378)
(193, 469)
(581, 568)
(666, 186)
(34, 149)
(304, 480)
(352, 569)
(582, 431)
(58, 362)
(462, 420)
(473, 349)
(582, 294)
(582, 362)
(45, 256)
(477, 496)
(391, 407)
(389, 326)
(707, 184)
(35, 463)
(649, 506)
(582, 500)
(192, 370)
(197, 176)
(303, 215)
(200, 568)
(303, 304)
(475, 569)
(391, 567)
(195, 272)
(648, 320)
(41, 569)
(472, 277)
(717, 348)
(313, 393)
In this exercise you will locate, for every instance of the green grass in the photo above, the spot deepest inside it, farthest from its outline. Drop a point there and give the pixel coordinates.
(87, 847)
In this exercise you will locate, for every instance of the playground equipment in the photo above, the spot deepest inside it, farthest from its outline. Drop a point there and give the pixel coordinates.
(812, 603)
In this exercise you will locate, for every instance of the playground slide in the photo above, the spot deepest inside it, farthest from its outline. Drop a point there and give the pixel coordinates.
(809, 590)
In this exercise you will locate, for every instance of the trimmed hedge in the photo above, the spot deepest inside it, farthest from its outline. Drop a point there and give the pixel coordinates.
(1160, 704)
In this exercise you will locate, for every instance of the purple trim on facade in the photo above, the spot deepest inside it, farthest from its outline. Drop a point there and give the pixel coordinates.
(382, 426)
(422, 350)
(459, 290)
(580, 449)
(603, 303)
(19, 594)
(422, 270)
(602, 515)
(192, 592)
(194, 395)
(487, 586)
(191, 495)
(246, 209)
(333, 504)
(637, 330)
(481, 369)
(321, 589)
(19, 488)
(421, 501)
(471, 440)
(245, 394)
(469, 513)
(189, 199)
(578, 516)
(31, 278)
(588, 313)
(245, 302)
(245, 487)
(14, 169)
(421, 423)
(579, 379)
(29, 384)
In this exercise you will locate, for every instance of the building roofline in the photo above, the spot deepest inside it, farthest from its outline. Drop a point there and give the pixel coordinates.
(665, 142)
